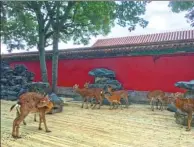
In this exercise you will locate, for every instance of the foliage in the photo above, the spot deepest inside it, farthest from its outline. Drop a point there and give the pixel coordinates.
(19, 28)
(20, 25)
(86, 19)
(178, 6)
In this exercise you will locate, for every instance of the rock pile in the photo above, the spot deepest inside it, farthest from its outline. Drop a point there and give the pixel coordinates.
(103, 77)
(13, 80)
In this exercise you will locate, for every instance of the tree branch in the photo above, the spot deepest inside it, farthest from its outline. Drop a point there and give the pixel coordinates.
(47, 25)
(49, 35)
(50, 11)
(67, 10)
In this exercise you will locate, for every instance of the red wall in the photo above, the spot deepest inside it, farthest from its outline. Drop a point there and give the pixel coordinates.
(137, 73)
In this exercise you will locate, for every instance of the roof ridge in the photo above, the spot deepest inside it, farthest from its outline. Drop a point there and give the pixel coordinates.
(156, 33)
(187, 34)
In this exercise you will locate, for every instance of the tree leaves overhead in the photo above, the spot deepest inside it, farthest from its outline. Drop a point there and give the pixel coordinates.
(85, 19)
(178, 6)
(20, 29)
(88, 19)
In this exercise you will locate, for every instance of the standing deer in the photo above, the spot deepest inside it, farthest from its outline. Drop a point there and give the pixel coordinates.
(113, 98)
(88, 94)
(47, 108)
(122, 93)
(97, 91)
(155, 97)
(185, 105)
(30, 102)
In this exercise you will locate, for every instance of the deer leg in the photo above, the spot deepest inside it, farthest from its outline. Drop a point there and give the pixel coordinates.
(189, 121)
(121, 106)
(114, 105)
(118, 104)
(160, 102)
(42, 115)
(157, 105)
(35, 117)
(91, 102)
(83, 102)
(95, 104)
(152, 104)
(127, 102)
(24, 122)
(17, 115)
(87, 103)
(110, 105)
(100, 103)
(40, 121)
(16, 123)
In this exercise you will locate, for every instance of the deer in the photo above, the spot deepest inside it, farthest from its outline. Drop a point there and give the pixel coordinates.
(88, 94)
(168, 99)
(155, 96)
(113, 98)
(122, 93)
(164, 101)
(47, 108)
(96, 90)
(185, 105)
(30, 102)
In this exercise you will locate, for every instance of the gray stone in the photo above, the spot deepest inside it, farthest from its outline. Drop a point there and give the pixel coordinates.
(12, 80)
(102, 72)
(185, 85)
(104, 86)
(189, 94)
(11, 98)
(3, 81)
(104, 77)
(19, 68)
(57, 102)
(12, 93)
(171, 108)
(37, 86)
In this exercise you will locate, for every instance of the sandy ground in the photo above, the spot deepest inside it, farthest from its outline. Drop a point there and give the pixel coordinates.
(137, 126)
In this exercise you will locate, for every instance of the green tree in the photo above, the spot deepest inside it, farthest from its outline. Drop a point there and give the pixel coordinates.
(81, 20)
(179, 6)
(77, 21)
(25, 25)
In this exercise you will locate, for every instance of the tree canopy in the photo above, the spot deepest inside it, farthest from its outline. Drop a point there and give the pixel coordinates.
(179, 6)
(85, 19)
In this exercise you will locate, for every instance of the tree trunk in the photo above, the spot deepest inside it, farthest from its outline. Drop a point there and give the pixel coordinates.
(55, 61)
(42, 57)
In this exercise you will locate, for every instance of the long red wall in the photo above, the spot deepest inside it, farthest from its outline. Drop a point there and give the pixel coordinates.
(136, 73)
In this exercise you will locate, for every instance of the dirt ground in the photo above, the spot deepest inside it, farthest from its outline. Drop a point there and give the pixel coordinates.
(136, 126)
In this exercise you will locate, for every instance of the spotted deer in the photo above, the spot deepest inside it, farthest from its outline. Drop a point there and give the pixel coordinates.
(30, 102)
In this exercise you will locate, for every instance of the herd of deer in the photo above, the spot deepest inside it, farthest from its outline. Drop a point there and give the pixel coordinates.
(32, 102)
(114, 97)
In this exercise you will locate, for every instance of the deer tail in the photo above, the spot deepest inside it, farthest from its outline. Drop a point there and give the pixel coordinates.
(12, 107)
(15, 105)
